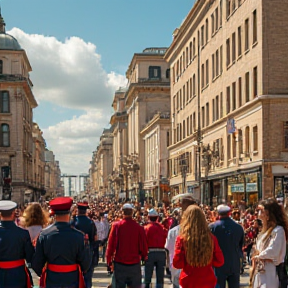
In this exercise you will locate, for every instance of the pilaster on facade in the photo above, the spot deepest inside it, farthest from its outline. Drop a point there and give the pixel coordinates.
(228, 102)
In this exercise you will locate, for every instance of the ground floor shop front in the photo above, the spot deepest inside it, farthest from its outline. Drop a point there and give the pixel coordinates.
(241, 186)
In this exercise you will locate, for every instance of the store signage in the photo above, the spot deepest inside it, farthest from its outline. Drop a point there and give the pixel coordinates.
(251, 187)
(237, 188)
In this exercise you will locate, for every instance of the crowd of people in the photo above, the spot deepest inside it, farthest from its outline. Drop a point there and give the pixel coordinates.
(195, 245)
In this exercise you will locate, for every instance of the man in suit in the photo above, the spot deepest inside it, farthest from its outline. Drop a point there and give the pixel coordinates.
(15, 248)
(230, 236)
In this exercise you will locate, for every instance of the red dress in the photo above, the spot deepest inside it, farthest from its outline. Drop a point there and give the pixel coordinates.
(197, 277)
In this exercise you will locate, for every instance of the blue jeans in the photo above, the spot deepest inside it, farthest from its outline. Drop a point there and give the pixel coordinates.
(158, 259)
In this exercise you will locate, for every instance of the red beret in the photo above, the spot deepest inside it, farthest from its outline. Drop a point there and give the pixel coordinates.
(82, 205)
(61, 204)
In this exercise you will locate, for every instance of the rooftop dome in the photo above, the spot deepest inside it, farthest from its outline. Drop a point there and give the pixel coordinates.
(7, 42)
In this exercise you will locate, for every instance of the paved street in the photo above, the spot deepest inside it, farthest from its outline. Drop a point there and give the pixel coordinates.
(101, 279)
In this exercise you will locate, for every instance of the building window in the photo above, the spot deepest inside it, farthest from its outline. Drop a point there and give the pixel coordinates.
(286, 135)
(233, 47)
(207, 114)
(5, 102)
(255, 82)
(154, 72)
(221, 105)
(194, 47)
(221, 59)
(213, 110)
(217, 108)
(229, 147)
(233, 145)
(203, 116)
(216, 19)
(233, 96)
(221, 7)
(247, 87)
(239, 41)
(240, 91)
(255, 138)
(207, 31)
(188, 123)
(184, 96)
(202, 36)
(254, 26)
(190, 51)
(228, 8)
(194, 121)
(191, 127)
(227, 52)
(1, 66)
(246, 34)
(194, 85)
(228, 99)
(184, 129)
(247, 141)
(217, 62)
(202, 76)
(207, 72)
(240, 141)
(168, 73)
(187, 55)
(213, 66)
(5, 135)
(212, 24)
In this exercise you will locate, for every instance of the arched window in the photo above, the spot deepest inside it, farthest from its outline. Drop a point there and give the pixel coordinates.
(5, 135)
(4, 102)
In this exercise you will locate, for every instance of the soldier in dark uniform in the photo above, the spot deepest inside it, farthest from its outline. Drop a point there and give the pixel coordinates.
(15, 248)
(87, 226)
(230, 236)
(63, 249)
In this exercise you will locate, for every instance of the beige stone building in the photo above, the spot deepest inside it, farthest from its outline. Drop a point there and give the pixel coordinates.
(229, 100)
(118, 123)
(16, 104)
(38, 164)
(148, 93)
(102, 165)
(156, 135)
(53, 183)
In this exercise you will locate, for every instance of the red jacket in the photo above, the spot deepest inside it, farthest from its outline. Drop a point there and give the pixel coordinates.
(127, 242)
(156, 235)
(196, 277)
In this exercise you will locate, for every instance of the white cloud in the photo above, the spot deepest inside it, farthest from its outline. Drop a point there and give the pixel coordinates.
(70, 74)
(73, 141)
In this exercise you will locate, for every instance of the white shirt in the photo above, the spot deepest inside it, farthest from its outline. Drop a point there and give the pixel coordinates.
(100, 230)
(170, 246)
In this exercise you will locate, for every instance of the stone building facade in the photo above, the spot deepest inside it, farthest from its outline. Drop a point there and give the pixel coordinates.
(148, 93)
(118, 123)
(102, 165)
(229, 101)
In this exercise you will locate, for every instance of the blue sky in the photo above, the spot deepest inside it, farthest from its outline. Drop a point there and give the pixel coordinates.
(79, 52)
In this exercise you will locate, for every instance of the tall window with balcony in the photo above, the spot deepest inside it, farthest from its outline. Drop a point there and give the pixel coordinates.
(154, 72)
(4, 102)
(5, 135)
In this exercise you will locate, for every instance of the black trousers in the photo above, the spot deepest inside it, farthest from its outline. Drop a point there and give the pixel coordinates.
(129, 275)
(155, 259)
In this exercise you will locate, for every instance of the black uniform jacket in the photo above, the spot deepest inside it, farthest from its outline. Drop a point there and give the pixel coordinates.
(15, 244)
(62, 245)
(86, 225)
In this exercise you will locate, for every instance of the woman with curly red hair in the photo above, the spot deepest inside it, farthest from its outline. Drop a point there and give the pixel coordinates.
(196, 251)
